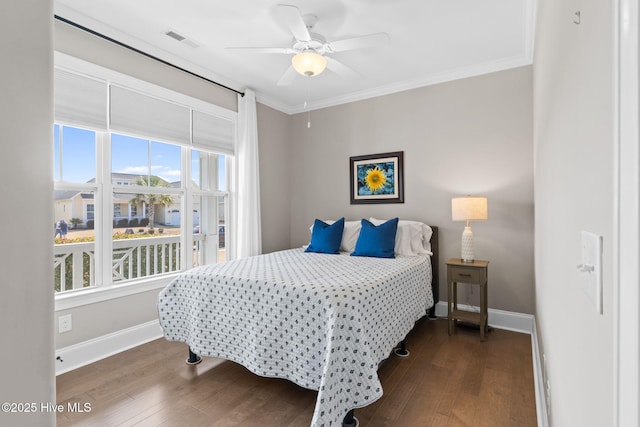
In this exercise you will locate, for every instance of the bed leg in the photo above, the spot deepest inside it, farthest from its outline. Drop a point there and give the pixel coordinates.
(193, 359)
(350, 420)
(431, 313)
(401, 351)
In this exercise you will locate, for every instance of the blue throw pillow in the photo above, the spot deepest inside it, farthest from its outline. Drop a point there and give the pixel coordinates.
(377, 241)
(325, 238)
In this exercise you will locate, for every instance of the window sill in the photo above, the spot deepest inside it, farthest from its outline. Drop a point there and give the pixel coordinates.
(104, 293)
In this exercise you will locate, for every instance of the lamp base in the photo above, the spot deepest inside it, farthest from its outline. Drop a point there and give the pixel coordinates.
(467, 245)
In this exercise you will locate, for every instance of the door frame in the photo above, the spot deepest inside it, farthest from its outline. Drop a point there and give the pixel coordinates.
(627, 217)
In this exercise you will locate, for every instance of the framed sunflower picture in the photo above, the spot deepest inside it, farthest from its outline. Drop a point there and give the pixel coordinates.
(377, 178)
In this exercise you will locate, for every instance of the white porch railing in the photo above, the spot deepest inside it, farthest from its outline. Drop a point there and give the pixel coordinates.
(143, 257)
(74, 264)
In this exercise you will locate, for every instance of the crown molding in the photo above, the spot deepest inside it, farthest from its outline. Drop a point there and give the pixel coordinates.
(448, 76)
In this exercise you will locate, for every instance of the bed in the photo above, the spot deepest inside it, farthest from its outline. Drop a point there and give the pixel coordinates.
(322, 321)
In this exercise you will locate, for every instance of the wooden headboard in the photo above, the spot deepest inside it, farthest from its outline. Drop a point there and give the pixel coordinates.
(435, 270)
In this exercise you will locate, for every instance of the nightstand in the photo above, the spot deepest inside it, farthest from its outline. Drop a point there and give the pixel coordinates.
(474, 273)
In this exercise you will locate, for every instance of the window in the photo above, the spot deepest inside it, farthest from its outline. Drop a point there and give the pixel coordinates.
(145, 178)
(89, 210)
(75, 189)
(116, 211)
(209, 181)
(138, 207)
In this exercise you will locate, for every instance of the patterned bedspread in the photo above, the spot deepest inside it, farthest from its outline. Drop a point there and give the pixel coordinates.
(322, 321)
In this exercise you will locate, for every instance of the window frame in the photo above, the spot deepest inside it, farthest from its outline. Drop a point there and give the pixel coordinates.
(105, 287)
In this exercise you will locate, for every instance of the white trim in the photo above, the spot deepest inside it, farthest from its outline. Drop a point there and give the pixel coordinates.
(448, 76)
(538, 380)
(626, 271)
(508, 320)
(84, 353)
(529, 23)
(68, 300)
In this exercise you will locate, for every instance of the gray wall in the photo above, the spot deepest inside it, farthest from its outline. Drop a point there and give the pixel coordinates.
(105, 317)
(274, 138)
(574, 145)
(26, 180)
(471, 136)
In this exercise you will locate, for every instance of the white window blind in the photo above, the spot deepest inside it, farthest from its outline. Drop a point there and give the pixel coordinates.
(143, 115)
(80, 100)
(106, 103)
(213, 133)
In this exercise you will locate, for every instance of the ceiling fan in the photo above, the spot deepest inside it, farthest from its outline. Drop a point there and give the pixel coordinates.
(311, 50)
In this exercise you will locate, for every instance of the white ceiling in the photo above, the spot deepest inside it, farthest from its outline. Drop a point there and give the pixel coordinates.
(431, 41)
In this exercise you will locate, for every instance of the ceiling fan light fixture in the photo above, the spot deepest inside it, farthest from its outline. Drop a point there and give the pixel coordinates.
(309, 63)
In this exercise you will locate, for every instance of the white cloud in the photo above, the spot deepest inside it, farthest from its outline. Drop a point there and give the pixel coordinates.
(137, 170)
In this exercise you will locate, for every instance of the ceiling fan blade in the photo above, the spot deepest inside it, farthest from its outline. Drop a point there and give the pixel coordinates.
(290, 15)
(288, 77)
(361, 42)
(341, 69)
(286, 50)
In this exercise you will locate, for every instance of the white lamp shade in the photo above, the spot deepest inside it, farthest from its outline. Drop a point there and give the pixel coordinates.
(309, 63)
(469, 208)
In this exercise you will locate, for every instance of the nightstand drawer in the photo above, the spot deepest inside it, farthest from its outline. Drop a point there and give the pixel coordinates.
(466, 275)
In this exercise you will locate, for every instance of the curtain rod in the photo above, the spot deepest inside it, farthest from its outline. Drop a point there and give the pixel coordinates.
(126, 46)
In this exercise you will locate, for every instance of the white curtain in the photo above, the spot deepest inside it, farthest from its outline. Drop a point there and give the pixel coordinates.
(247, 195)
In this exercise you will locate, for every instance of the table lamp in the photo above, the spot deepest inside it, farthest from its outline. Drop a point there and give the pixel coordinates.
(468, 208)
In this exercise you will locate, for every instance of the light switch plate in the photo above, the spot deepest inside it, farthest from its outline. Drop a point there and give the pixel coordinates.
(591, 268)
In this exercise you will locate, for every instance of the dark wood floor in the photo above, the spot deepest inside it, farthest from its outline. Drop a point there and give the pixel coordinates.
(446, 381)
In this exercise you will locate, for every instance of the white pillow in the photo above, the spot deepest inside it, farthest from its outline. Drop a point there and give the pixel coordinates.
(349, 234)
(413, 237)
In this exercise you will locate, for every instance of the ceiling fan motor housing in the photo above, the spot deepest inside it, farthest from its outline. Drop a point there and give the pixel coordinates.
(317, 43)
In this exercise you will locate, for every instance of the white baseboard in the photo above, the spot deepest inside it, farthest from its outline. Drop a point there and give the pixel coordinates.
(538, 381)
(84, 353)
(517, 322)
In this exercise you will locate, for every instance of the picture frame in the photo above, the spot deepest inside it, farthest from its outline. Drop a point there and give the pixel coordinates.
(377, 178)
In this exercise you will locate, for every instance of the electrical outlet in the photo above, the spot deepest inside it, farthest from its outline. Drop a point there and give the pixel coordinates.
(65, 323)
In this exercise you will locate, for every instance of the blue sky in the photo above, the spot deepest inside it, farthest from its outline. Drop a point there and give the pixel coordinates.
(128, 155)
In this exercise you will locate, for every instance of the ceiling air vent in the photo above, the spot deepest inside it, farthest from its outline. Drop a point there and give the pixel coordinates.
(182, 39)
(175, 35)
